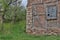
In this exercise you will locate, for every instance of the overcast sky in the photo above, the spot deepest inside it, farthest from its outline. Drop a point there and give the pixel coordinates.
(24, 2)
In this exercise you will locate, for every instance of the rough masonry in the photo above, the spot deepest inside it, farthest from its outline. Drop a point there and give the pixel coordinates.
(43, 17)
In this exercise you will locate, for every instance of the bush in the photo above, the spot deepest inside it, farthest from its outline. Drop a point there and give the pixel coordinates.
(20, 14)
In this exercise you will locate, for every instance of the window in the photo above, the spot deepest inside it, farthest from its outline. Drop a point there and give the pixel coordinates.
(51, 12)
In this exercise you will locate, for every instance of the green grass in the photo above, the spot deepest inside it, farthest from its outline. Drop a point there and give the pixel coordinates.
(17, 32)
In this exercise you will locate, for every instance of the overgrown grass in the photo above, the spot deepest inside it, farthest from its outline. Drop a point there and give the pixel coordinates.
(17, 32)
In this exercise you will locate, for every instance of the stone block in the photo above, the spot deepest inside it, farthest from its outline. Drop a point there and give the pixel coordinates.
(47, 1)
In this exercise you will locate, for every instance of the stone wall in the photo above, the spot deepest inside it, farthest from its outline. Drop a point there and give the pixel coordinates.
(48, 27)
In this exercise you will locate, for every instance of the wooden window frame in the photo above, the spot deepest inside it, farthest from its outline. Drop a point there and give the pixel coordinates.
(51, 18)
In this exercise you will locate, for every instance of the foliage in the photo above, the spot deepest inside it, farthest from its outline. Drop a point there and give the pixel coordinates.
(11, 11)
(20, 14)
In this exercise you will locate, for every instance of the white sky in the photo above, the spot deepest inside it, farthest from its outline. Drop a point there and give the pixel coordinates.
(24, 2)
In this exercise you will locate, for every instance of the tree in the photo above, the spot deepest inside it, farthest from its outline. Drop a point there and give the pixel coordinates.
(4, 7)
(15, 9)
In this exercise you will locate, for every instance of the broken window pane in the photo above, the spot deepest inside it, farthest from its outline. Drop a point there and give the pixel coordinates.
(51, 12)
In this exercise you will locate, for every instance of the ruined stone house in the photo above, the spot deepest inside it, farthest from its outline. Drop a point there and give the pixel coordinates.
(43, 17)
